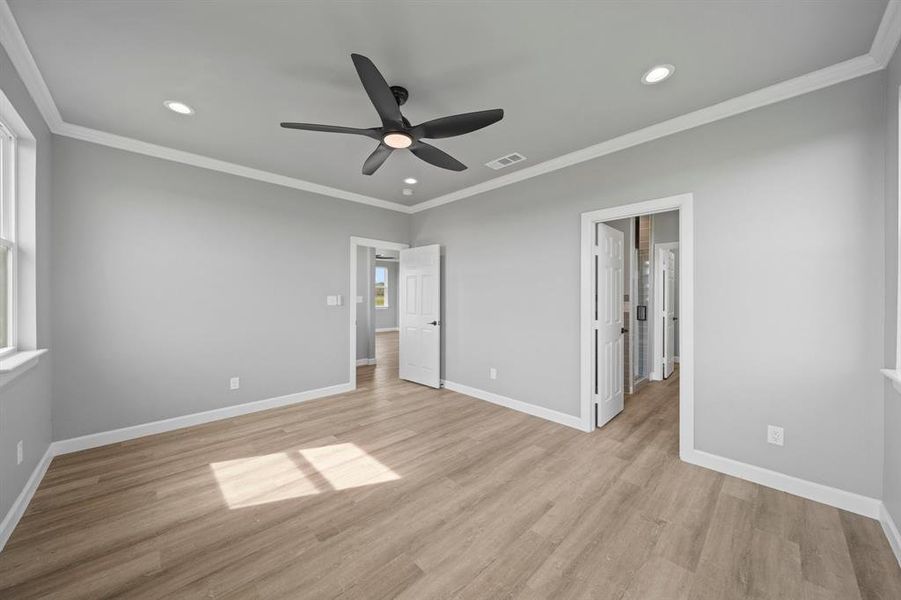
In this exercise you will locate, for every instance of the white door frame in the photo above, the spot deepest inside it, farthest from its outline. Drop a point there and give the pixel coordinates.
(656, 308)
(683, 203)
(356, 242)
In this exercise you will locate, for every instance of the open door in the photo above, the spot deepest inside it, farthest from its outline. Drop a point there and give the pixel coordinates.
(669, 312)
(608, 323)
(419, 312)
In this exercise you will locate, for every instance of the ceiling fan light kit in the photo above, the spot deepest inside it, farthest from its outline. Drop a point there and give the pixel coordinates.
(396, 132)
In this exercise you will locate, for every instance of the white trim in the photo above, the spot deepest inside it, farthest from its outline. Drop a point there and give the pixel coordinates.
(888, 34)
(856, 503)
(356, 241)
(517, 405)
(894, 375)
(884, 42)
(129, 433)
(16, 364)
(365, 362)
(20, 56)
(387, 329)
(838, 73)
(205, 162)
(104, 438)
(8, 525)
(684, 204)
(891, 530)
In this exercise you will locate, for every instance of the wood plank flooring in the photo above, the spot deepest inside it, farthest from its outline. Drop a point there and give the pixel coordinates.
(399, 491)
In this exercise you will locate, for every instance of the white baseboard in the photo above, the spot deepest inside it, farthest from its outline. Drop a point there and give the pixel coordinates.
(363, 362)
(891, 531)
(129, 433)
(104, 438)
(384, 329)
(18, 508)
(856, 503)
(518, 405)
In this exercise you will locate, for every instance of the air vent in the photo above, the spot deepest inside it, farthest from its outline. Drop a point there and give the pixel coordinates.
(505, 161)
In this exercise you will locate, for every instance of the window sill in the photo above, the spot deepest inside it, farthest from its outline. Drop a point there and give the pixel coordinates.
(894, 375)
(14, 365)
(382, 307)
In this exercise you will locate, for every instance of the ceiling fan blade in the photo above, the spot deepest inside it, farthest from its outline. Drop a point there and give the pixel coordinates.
(446, 127)
(434, 156)
(375, 160)
(379, 93)
(374, 133)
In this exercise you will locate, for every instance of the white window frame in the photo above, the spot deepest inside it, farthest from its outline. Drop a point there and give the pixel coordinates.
(8, 206)
(386, 305)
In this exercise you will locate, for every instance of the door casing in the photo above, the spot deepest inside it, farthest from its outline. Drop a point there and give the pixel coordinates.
(684, 204)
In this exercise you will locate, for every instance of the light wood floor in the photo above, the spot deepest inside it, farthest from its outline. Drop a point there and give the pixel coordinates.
(398, 491)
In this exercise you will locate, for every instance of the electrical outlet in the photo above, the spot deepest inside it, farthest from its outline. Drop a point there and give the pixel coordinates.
(492, 373)
(775, 435)
(19, 453)
(234, 383)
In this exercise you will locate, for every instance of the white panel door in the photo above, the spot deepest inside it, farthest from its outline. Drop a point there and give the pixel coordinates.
(419, 311)
(669, 312)
(608, 323)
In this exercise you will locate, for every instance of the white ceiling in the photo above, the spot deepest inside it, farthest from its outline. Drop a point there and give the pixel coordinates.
(566, 73)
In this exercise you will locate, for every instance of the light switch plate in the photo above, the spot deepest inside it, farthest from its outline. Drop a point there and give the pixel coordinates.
(234, 383)
(331, 300)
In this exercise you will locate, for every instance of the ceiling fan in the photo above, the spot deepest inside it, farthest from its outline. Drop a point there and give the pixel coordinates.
(396, 131)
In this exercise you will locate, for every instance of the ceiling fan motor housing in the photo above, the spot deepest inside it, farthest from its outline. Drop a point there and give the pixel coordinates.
(400, 94)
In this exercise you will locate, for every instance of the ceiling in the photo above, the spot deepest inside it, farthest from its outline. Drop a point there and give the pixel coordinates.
(567, 74)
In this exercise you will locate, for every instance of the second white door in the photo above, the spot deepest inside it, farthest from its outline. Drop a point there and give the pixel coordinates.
(669, 312)
(419, 312)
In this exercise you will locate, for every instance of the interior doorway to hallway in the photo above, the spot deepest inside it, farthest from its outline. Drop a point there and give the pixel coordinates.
(635, 299)
(374, 309)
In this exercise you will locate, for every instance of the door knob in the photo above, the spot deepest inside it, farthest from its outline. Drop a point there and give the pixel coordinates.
(435, 323)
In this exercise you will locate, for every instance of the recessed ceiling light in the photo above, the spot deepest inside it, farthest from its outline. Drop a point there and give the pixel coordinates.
(410, 181)
(179, 107)
(397, 140)
(657, 73)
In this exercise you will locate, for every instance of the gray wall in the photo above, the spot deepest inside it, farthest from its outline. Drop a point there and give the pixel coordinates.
(170, 279)
(386, 318)
(892, 408)
(365, 310)
(26, 402)
(803, 178)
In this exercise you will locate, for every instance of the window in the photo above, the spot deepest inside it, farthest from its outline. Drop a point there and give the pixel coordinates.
(8, 250)
(381, 287)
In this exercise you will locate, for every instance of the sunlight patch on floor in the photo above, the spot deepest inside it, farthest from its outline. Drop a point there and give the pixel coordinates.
(258, 480)
(347, 466)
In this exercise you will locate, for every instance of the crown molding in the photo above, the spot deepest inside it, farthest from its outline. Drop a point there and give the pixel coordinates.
(20, 55)
(205, 162)
(14, 43)
(881, 51)
(843, 71)
(888, 34)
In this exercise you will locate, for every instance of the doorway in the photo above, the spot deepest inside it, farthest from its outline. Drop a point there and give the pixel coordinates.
(374, 310)
(618, 304)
